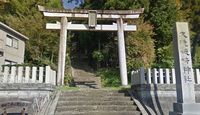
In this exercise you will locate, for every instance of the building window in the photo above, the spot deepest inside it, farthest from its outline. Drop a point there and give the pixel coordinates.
(15, 43)
(8, 62)
(11, 41)
(1, 53)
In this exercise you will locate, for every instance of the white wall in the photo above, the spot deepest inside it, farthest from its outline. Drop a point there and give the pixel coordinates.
(10, 53)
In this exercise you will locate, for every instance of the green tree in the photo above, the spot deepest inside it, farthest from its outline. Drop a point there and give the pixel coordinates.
(140, 46)
(23, 16)
(194, 18)
(162, 15)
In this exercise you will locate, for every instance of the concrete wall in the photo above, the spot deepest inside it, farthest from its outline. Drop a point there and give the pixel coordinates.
(32, 97)
(10, 53)
(2, 40)
(159, 98)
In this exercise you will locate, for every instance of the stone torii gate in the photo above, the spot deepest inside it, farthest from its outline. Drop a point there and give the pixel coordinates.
(92, 15)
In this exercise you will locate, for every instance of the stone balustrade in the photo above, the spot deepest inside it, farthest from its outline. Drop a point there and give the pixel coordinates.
(158, 76)
(26, 74)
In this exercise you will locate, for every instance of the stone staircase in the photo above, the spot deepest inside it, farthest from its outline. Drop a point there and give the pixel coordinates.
(96, 102)
(84, 76)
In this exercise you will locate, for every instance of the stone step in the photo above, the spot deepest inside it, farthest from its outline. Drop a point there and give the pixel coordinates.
(88, 78)
(95, 91)
(94, 98)
(100, 113)
(96, 108)
(96, 102)
(72, 103)
(95, 94)
(98, 91)
(88, 86)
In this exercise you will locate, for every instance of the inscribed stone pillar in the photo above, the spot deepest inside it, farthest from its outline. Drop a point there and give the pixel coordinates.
(184, 76)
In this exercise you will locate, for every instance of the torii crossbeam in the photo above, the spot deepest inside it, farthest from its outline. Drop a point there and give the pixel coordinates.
(112, 15)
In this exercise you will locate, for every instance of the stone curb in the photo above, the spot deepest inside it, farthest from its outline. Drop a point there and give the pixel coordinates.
(52, 105)
(138, 104)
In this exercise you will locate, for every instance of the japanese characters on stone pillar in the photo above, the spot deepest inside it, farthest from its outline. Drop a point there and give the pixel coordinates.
(184, 74)
(183, 64)
(185, 55)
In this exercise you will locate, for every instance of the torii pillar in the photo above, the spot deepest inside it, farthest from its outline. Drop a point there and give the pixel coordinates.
(122, 53)
(62, 51)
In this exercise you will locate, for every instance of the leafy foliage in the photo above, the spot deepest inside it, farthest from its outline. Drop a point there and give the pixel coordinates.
(194, 19)
(126, 4)
(109, 77)
(162, 15)
(97, 55)
(140, 46)
(165, 57)
(23, 16)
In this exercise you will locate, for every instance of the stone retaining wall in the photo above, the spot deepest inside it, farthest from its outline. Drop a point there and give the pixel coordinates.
(31, 96)
(159, 98)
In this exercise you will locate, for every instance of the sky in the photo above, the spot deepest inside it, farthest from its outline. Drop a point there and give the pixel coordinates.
(73, 4)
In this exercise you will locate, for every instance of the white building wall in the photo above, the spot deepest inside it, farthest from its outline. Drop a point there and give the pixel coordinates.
(11, 53)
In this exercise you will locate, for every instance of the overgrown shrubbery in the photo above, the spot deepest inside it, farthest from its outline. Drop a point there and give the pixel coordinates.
(69, 81)
(109, 77)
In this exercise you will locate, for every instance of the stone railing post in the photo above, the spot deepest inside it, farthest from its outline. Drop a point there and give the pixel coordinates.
(173, 76)
(142, 76)
(47, 74)
(161, 78)
(27, 74)
(6, 74)
(34, 72)
(41, 74)
(51, 76)
(155, 76)
(197, 76)
(20, 73)
(54, 78)
(132, 80)
(133, 73)
(167, 78)
(148, 76)
(13, 75)
(135, 77)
